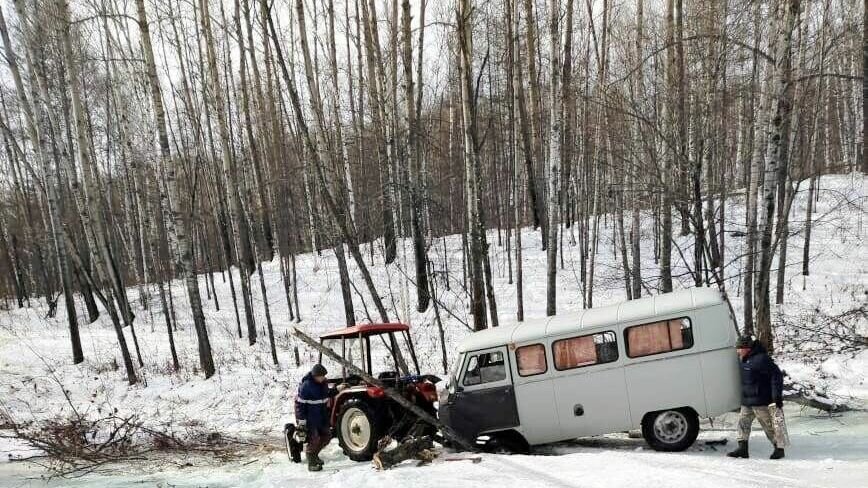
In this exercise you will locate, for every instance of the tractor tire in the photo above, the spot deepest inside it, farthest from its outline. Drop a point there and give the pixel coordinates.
(670, 430)
(359, 429)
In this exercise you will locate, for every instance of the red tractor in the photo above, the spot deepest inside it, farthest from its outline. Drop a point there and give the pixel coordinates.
(361, 413)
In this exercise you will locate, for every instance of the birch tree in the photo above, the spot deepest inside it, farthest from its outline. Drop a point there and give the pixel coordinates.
(176, 224)
(787, 16)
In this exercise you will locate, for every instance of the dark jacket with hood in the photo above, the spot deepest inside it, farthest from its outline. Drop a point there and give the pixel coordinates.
(311, 403)
(762, 382)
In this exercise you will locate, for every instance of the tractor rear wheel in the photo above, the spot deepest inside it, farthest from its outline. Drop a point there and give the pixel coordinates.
(359, 429)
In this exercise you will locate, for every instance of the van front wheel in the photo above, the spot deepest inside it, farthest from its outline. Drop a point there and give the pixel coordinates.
(670, 430)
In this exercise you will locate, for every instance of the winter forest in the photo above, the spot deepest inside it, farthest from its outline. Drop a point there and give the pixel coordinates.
(186, 181)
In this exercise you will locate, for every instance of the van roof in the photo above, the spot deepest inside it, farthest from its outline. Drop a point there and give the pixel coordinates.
(564, 323)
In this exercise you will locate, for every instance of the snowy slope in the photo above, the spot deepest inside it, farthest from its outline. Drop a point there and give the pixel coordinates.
(249, 397)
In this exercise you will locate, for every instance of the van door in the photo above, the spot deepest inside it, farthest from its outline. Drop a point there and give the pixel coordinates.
(535, 395)
(484, 398)
(589, 385)
(593, 401)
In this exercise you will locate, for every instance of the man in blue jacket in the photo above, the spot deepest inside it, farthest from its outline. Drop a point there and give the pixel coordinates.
(761, 386)
(312, 414)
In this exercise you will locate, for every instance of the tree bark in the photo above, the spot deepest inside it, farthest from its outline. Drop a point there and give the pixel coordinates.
(414, 161)
(787, 17)
(475, 226)
(555, 153)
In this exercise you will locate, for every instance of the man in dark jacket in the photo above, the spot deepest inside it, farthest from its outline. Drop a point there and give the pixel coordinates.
(312, 414)
(761, 386)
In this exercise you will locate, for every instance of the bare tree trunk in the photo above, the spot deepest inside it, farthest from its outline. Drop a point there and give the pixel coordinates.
(380, 118)
(346, 291)
(475, 225)
(787, 17)
(635, 227)
(515, 106)
(671, 167)
(176, 226)
(89, 169)
(554, 157)
(52, 183)
(346, 231)
(414, 160)
(753, 175)
(259, 211)
(349, 313)
(531, 127)
(237, 220)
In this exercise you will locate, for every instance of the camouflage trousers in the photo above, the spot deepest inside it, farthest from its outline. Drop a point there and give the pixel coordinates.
(745, 422)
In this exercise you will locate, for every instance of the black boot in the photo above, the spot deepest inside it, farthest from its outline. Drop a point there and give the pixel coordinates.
(778, 453)
(314, 463)
(741, 452)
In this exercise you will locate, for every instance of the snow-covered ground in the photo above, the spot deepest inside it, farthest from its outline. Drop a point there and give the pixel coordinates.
(251, 398)
(826, 453)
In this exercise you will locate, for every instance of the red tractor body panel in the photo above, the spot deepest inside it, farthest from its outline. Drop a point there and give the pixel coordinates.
(365, 330)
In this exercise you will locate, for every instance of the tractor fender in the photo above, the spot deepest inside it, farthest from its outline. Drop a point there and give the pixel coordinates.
(343, 396)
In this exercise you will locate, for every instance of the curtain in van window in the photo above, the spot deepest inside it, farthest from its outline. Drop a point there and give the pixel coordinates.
(676, 339)
(649, 339)
(657, 337)
(575, 352)
(531, 359)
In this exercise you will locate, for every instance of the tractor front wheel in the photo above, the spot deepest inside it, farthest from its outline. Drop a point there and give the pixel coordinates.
(359, 429)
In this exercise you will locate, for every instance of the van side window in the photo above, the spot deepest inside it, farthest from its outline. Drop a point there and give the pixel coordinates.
(587, 350)
(531, 360)
(659, 337)
(487, 367)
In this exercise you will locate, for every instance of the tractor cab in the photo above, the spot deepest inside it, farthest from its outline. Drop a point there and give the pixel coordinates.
(362, 413)
(381, 350)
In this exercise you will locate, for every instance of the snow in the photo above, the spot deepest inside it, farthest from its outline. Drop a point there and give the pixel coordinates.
(826, 452)
(849, 375)
(250, 398)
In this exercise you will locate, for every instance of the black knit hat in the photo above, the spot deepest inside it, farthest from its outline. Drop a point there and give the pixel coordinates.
(744, 342)
(318, 370)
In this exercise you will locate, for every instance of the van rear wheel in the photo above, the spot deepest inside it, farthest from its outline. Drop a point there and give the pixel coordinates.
(670, 430)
